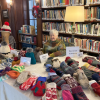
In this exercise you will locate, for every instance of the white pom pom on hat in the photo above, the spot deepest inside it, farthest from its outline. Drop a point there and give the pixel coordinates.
(5, 28)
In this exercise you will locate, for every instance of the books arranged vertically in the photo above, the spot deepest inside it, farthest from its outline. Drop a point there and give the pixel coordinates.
(92, 2)
(84, 29)
(53, 14)
(28, 39)
(92, 13)
(60, 3)
(88, 44)
(27, 29)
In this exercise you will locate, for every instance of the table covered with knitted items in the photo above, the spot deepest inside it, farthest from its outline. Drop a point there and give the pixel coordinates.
(38, 69)
(54, 48)
(92, 61)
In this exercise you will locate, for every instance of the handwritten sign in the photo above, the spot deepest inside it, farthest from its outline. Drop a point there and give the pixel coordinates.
(44, 57)
(80, 54)
(25, 60)
(71, 51)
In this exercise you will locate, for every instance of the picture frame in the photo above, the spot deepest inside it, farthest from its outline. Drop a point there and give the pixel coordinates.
(28, 39)
(5, 13)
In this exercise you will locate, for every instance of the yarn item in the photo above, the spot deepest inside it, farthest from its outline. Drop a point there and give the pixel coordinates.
(39, 88)
(28, 83)
(78, 93)
(13, 74)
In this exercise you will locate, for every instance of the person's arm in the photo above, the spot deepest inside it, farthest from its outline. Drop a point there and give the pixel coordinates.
(61, 50)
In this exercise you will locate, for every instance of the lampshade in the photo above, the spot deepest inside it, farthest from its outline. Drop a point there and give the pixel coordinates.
(74, 14)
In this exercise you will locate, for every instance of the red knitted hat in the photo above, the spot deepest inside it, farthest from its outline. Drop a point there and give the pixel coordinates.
(67, 59)
(5, 27)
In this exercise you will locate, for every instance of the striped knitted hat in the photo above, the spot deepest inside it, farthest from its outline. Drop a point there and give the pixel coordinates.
(5, 28)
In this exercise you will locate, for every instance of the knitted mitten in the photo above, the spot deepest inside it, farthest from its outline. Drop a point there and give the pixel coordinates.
(92, 61)
(90, 67)
(66, 94)
(70, 80)
(95, 86)
(78, 93)
(39, 88)
(48, 61)
(88, 72)
(96, 77)
(51, 92)
(58, 80)
(67, 69)
(28, 83)
(81, 78)
(72, 63)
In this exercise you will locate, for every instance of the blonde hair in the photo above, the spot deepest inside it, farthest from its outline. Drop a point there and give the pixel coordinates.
(53, 31)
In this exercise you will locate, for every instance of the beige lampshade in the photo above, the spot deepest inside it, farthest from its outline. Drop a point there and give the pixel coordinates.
(74, 14)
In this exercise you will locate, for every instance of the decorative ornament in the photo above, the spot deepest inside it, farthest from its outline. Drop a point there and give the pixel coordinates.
(36, 11)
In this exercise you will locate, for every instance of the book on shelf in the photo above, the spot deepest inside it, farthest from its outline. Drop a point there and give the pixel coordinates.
(92, 2)
(60, 3)
(53, 14)
(81, 28)
(28, 29)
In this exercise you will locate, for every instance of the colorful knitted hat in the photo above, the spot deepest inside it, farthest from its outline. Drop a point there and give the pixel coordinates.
(13, 74)
(5, 28)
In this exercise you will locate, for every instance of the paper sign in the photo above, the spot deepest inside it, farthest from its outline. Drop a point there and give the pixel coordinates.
(80, 54)
(71, 51)
(14, 52)
(25, 60)
(44, 57)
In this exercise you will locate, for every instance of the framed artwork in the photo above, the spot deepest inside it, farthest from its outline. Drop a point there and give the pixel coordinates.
(5, 13)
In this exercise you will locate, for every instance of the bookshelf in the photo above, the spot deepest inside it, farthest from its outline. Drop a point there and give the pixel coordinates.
(91, 21)
(27, 38)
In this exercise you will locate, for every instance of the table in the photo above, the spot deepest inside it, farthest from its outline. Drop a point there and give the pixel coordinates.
(9, 92)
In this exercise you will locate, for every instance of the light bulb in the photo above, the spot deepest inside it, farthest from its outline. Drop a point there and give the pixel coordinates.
(8, 1)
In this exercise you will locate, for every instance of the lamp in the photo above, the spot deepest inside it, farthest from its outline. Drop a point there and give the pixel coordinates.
(74, 14)
(9, 2)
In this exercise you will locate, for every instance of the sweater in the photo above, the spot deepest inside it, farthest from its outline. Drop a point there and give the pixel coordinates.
(54, 48)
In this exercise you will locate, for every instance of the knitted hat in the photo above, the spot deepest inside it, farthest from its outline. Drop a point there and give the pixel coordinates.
(96, 77)
(5, 28)
(67, 59)
(4, 49)
(13, 74)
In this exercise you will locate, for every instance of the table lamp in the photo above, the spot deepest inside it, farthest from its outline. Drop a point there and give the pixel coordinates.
(74, 14)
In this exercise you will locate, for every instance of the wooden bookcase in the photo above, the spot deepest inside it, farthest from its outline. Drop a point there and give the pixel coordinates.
(81, 36)
(21, 40)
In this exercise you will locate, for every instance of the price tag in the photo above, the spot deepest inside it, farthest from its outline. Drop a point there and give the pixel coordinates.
(44, 57)
(71, 51)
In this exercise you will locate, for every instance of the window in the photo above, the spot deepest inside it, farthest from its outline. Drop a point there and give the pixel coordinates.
(28, 17)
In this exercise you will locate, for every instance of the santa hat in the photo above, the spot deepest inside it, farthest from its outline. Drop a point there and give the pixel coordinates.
(5, 28)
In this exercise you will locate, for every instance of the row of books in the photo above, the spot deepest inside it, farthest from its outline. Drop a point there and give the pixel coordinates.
(87, 44)
(84, 44)
(55, 3)
(27, 29)
(28, 39)
(92, 13)
(85, 29)
(53, 14)
(92, 2)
